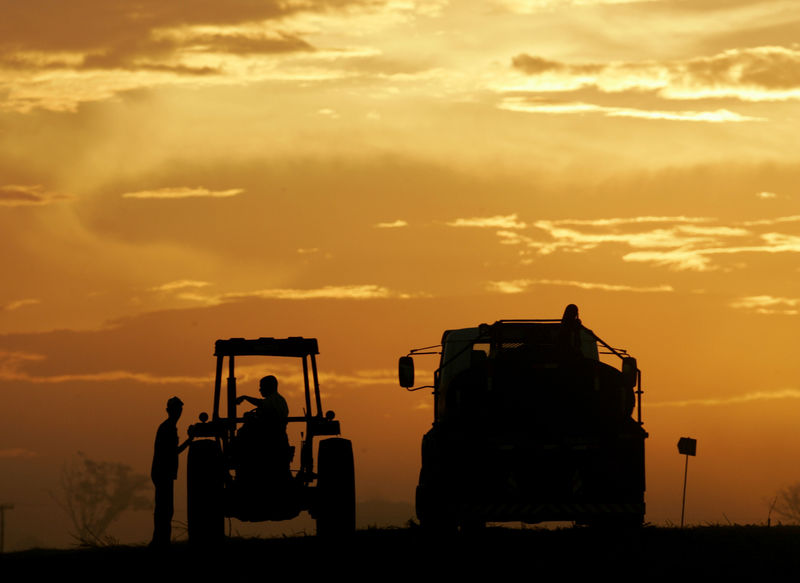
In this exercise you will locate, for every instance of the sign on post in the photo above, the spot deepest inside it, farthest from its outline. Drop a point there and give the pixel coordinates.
(687, 446)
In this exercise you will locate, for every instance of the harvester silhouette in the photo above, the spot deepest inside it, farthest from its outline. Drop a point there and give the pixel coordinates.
(531, 425)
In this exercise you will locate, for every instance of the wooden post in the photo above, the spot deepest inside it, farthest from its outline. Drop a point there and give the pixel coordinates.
(686, 446)
(3, 508)
(685, 473)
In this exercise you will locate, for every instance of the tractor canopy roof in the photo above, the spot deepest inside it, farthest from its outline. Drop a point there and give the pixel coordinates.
(296, 346)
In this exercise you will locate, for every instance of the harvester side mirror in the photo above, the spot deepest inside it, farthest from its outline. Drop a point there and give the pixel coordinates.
(630, 372)
(405, 371)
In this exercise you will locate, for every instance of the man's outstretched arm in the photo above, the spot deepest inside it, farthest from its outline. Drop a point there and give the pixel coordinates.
(251, 400)
(185, 444)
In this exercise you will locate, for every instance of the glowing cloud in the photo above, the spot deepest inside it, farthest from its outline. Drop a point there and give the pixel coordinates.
(520, 285)
(180, 284)
(717, 116)
(698, 258)
(676, 236)
(734, 400)
(680, 259)
(329, 292)
(392, 225)
(291, 377)
(11, 364)
(509, 287)
(531, 6)
(775, 221)
(46, 65)
(23, 195)
(183, 192)
(768, 305)
(495, 222)
(355, 292)
(680, 243)
(17, 304)
(766, 73)
(361, 378)
(628, 221)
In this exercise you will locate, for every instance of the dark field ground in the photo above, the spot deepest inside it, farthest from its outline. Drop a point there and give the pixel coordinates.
(737, 552)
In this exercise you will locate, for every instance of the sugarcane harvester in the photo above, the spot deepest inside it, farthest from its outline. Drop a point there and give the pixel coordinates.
(531, 424)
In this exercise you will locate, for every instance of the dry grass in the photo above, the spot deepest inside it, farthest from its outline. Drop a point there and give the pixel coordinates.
(748, 552)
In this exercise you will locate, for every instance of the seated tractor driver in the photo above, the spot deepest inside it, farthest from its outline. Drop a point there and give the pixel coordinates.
(262, 442)
(271, 409)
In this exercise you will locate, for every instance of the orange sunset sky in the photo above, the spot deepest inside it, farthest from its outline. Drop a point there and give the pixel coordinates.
(371, 173)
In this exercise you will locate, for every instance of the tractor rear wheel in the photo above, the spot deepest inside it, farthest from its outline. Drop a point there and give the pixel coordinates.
(205, 491)
(336, 490)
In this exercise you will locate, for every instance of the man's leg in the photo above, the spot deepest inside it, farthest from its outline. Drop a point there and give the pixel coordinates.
(162, 514)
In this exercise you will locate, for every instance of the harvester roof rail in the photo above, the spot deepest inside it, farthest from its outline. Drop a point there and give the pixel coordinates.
(622, 353)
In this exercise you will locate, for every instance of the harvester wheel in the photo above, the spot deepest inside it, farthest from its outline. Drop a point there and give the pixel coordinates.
(433, 517)
(336, 490)
(617, 522)
(205, 490)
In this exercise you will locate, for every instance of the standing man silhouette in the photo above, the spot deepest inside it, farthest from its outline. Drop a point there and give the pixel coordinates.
(164, 472)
